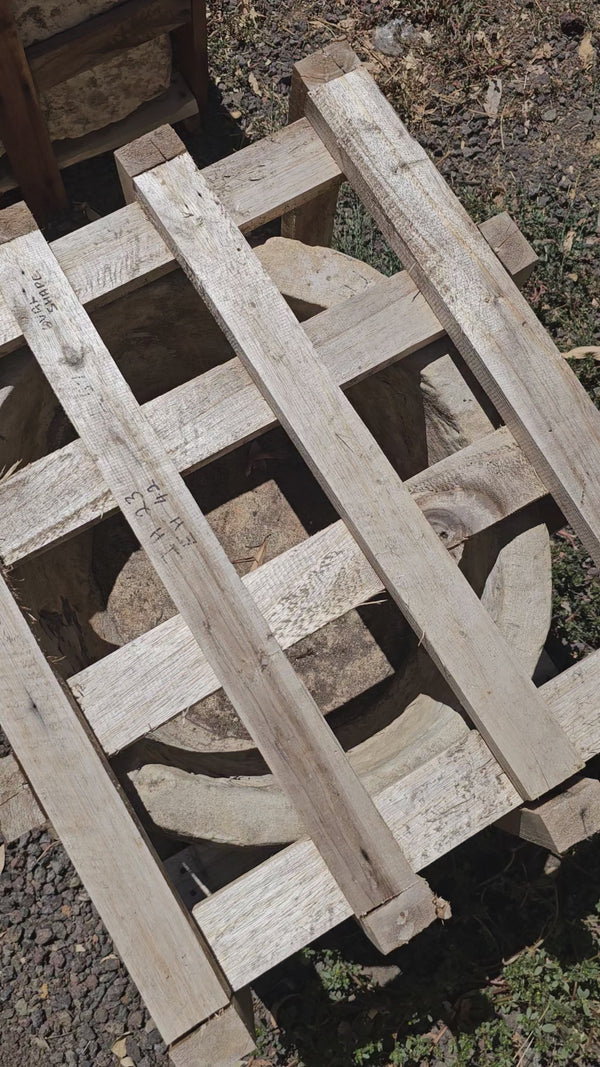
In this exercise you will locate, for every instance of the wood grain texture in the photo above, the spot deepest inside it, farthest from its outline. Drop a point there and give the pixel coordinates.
(102, 37)
(312, 223)
(270, 699)
(431, 811)
(561, 821)
(149, 680)
(220, 1042)
(388, 525)
(537, 395)
(166, 959)
(215, 412)
(123, 251)
(22, 128)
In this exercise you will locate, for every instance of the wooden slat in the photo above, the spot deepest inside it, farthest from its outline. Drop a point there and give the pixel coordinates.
(22, 128)
(271, 700)
(99, 39)
(123, 251)
(431, 811)
(19, 809)
(388, 525)
(538, 396)
(168, 962)
(145, 683)
(221, 409)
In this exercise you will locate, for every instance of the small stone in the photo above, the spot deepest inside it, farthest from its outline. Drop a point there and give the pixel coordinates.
(549, 115)
(91, 982)
(135, 1020)
(44, 935)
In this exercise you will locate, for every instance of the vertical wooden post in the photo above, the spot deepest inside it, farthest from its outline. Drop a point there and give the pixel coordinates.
(312, 223)
(22, 127)
(191, 52)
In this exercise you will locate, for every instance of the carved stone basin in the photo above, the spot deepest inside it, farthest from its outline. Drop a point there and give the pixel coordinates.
(199, 777)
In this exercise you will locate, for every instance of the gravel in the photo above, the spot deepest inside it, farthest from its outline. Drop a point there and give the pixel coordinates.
(65, 997)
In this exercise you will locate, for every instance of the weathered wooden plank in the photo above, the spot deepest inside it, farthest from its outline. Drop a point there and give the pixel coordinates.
(388, 525)
(312, 223)
(431, 811)
(123, 251)
(273, 703)
(536, 393)
(221, 409)
(168, 962)
(22, 128)
(142, 685)
(561, 821)
(220, 1042)
(84, 46)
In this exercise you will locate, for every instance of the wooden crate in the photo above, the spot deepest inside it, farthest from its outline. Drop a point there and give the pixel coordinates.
(361, 854)
(33, 162)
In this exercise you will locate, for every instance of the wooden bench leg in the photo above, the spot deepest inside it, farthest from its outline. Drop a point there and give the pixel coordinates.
(312, 223)
(560, 822)
(191, 53)
(22, 127)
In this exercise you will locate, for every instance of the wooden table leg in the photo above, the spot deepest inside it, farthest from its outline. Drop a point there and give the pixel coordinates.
(22, 127)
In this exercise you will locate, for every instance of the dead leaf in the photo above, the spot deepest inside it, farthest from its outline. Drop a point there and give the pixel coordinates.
(492, 99)
(120, 1047)
(259, 556)
(79, 948)
(2, 857)
(586, 50)
(568, 241)
(40, 1042)
(582, 351)
(253, 83)
(43, 991)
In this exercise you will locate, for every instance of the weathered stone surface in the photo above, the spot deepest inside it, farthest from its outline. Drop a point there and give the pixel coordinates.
(110, 91)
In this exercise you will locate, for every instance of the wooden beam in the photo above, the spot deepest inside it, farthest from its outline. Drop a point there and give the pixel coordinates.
(123, 251)
(190, 44)
(145, 683)
(270, 699)
(169, 963)
(506, 347)
(431, 811)
(388, 525)
(23, 130)
(36, 513)
(102, 37)
(561, 821)
(312, 223)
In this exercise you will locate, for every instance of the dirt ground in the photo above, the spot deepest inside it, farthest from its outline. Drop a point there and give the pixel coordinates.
(505, 98)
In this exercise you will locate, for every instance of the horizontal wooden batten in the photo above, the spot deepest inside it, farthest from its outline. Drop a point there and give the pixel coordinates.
(123, 251)
(102, 37)
(221, 409)
(289, 900)
(152, 678)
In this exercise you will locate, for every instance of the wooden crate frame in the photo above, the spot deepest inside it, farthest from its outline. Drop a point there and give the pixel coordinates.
(33, 162)
(301, 892)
